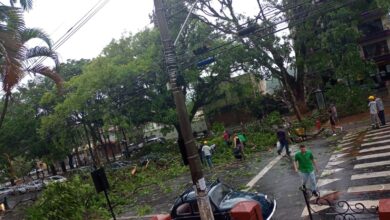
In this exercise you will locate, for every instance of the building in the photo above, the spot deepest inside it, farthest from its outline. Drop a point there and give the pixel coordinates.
(375, 42)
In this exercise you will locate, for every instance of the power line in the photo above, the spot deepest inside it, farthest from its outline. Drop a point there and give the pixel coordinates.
(285, 9)
(71, 31)
(273, 32)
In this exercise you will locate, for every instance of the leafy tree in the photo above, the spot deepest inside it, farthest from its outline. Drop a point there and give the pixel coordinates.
(16, 57)
(75, 199)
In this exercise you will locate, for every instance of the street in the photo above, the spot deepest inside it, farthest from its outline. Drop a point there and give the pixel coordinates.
(354, 176)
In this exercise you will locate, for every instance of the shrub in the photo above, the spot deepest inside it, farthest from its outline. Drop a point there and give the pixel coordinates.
(75, 199)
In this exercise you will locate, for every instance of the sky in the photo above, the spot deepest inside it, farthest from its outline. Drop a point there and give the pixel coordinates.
(118, 17)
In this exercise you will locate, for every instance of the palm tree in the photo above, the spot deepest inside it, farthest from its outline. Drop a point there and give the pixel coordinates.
(26, 4)
(16, 59)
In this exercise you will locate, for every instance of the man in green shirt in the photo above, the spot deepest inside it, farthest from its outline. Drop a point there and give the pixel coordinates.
(304, 162)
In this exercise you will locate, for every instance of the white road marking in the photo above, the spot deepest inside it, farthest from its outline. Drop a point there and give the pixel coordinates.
(341, 150)
(386, 147)
(347, 140)
(345, 144)
(367, 203)
(383, 128)
(351, 135)
(376, 137)
(374, 164)
(373, 156)
(316, 208)
(330, 172)
(379, 133)
(335, 157)
(370, 175)
(375, 142)
(369, 188)
(323, 182)
(335, 163)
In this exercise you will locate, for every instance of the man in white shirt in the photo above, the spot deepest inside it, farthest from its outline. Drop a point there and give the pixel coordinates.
(206, 149)
(373, 112)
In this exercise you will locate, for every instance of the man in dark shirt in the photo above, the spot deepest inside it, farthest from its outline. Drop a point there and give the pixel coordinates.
(283, 140)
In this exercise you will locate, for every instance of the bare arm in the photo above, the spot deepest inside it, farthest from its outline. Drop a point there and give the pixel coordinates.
(296, 165)
(315, 164)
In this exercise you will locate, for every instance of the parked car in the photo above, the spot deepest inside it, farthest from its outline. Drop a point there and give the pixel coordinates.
(151, 140)
(20, 189)
(131, 149)
(35, 185)
(119, 164)
(54, 179)
(34, 171)
(222, 198)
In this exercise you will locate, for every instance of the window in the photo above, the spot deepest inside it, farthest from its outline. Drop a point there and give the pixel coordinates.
(183, 209)
(371, 28)
(376, 49)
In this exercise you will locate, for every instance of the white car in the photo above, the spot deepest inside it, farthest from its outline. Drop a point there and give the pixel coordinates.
(54, 179)
(20, 189)
(35, 185)
(34, 171)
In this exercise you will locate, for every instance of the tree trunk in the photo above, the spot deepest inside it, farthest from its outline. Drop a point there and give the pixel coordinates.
(53, 169)
(70, 161)
(11, 169)
(111, 146)
(95, 158)
(79, 162)
(5, 107)
(63, 167)
(104, 145)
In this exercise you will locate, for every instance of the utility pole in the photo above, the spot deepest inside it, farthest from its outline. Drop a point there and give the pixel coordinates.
(198, 180)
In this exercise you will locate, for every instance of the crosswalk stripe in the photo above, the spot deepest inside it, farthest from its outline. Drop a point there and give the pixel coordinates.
(373, 156)
(328, 172)
(341, 150)
(345, 144)
(315, 208)
(383, 128)
(335, 157)
(379, 133)
(353, 204)
(367, 203)
(375, 149)
(323, 182)
(375, 142)
(335, 163)
(376, 137)
(374, 164)
(369, 188)
(370, 175)
(351, 135)
(344, 140)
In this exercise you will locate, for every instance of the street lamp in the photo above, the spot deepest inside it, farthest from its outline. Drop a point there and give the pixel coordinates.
(320, 98)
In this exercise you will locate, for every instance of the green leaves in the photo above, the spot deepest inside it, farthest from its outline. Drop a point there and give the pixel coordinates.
(75, 199)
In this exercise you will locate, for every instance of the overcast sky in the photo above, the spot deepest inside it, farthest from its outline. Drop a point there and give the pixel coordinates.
(56, 17)
(118, 17)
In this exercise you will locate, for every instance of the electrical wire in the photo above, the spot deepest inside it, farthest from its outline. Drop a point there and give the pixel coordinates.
(273, 32)
(75, 27)
(285, 9)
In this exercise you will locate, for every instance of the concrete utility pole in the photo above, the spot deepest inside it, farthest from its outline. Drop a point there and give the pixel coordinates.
(198, 180)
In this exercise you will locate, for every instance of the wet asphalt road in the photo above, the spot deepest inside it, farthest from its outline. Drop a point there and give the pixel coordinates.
(283, 182)
(354, 167)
